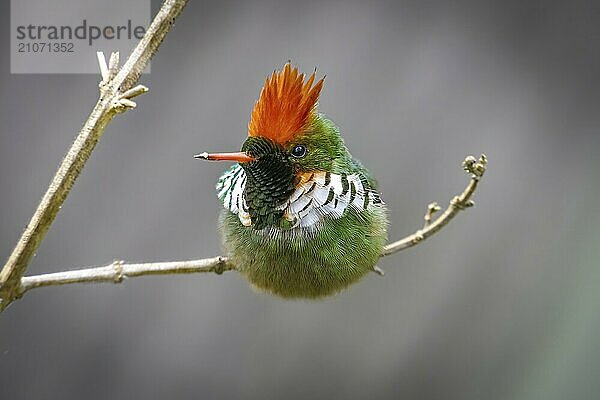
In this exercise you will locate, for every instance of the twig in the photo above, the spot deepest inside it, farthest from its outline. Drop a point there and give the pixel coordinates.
(118, 270)
(432, 208)
(476, 169)
(116, 91)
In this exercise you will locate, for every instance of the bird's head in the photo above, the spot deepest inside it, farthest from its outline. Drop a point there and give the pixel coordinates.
(285, 129)
(287, 139)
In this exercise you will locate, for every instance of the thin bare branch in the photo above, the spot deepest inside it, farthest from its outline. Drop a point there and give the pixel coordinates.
(118, 270)
(476, 168)
(114, 98)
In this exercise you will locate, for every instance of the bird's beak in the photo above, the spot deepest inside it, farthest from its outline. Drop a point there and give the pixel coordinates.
(241, 157)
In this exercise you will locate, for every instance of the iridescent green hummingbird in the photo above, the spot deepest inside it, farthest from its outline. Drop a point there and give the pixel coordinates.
(302, 217)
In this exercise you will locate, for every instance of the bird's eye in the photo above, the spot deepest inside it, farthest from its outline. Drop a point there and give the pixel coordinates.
(299, 151)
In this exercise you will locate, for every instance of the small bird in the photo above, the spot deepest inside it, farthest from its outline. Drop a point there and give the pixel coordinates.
(302, 218)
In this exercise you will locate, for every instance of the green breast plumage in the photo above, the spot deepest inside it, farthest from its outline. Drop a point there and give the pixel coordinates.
(329, 232)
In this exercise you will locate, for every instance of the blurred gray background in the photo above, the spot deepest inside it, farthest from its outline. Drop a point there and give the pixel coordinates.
(501, 304)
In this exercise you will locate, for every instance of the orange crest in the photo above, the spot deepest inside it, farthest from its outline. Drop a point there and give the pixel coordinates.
(285, 106)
